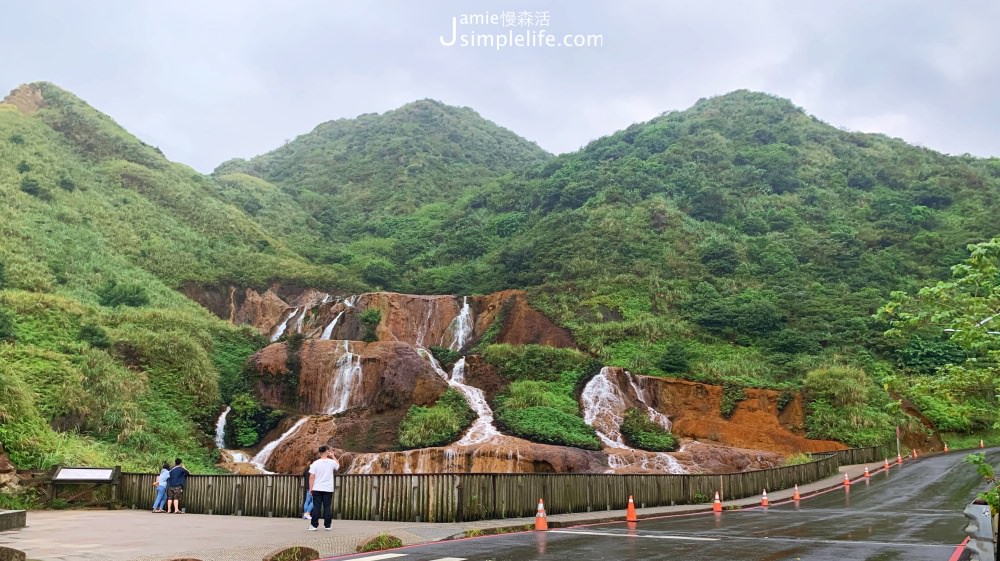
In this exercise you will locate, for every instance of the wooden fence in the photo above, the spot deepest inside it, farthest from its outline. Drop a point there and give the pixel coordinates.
(854, 456)
(468, 496)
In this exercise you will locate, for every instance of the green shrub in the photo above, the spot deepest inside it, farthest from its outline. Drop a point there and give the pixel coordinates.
(842, 386)
(676, 358)
(860, 427)
(732, 395)
(951, 417)
(522, 394)
(797, 459)
(31, 186)
(640, 432)
(95, 336)
(445, 356)
(439, 424)
(113, 294)
(248, 421)
(370, 318)
(380, 542)
(844, 405)
(231, 349)
(535, 362)
(548, 426)
(8, 332)
(23, 167)
(66, 184)
(785, 399)
(3, 275)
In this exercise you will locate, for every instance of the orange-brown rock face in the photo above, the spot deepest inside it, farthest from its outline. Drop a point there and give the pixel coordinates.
(523, 325)
(355, 394)
(336, 376)
(423, 321)
(504, 455)
(241, 306)
(924, 439)
(8, 473)
(695, 410)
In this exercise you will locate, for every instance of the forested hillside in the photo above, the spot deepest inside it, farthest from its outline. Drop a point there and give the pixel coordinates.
(102, 360)
(739, 242)
(741, 235)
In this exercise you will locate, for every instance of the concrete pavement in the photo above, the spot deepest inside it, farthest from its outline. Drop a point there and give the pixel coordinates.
(128, 535)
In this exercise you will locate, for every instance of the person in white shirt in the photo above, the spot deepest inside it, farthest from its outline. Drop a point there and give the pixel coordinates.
(321, 485)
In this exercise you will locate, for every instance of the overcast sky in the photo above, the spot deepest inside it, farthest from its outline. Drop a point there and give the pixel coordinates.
(211, 80)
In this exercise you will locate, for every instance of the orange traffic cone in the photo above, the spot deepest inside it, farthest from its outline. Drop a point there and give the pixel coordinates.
(866, 472)
(763, 498)
(541, 523)
(915, 454)
(899, 458)
(630, 513)
(945, 447)
(795, 494)
(717, 505)
(981, 443)
(886, 466)
(847, 480)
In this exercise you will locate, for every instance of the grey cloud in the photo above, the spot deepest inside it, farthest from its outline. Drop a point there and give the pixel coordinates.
(207, 81)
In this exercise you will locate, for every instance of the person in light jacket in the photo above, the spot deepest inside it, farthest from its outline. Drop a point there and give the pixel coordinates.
(307, 506)
(161, 488)
(321, 486)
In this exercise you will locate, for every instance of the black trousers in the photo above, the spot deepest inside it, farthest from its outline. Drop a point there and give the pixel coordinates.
(322, 508)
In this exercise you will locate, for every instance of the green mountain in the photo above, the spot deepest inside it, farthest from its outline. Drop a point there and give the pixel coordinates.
(351, 173)
(105, 361)
(740, 242)
(742, 233)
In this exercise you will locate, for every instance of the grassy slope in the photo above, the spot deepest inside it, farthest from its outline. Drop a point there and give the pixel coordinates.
(84, 204)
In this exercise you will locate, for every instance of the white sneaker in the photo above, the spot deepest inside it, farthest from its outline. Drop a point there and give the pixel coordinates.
(307, 516)
(327, 528)
(312, 528)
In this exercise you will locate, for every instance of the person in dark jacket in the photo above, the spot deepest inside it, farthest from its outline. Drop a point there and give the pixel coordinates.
(175, 486)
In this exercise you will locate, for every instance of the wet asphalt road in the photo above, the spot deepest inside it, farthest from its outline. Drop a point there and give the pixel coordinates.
(910, 513)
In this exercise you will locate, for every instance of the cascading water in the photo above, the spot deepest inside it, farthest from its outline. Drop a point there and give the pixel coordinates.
(425, 324)
(461, 326)
(238, 457)
(346, 380)
(328, 332)
(482, 428)
(301, 321)
(364, 463)
(348, 302)
(261, 458)
(653, 414)
(220, 429)
(283, 324)
(604, 409)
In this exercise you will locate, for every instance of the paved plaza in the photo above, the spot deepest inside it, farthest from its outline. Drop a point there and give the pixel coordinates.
(133, 535)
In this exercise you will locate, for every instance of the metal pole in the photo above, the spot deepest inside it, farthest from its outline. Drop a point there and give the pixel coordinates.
(898, 454)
